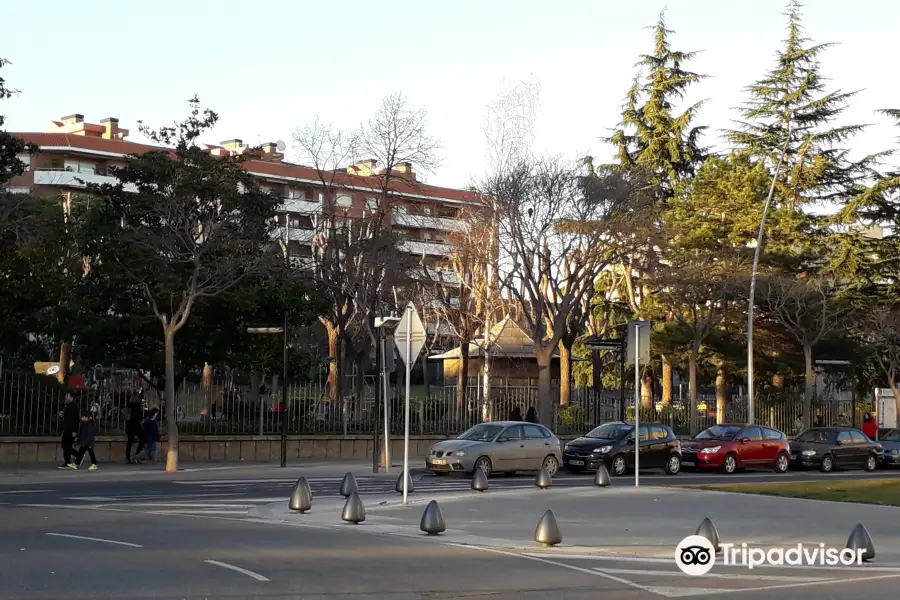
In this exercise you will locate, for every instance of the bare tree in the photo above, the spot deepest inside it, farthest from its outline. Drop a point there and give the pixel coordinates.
(882, 331)
(811, 310)
(556, 236)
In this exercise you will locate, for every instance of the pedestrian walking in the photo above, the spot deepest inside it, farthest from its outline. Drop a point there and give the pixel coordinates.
(515, 414)
(531, 415)
(870, 426)
(70, 426)
(87, 435)
(150, 428)
(133, 428)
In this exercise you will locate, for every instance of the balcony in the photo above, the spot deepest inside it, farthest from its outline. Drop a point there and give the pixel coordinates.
(300, 206)
(304, 236)
(74, 179)
(428, 222)
(444, 276)
(430, 248)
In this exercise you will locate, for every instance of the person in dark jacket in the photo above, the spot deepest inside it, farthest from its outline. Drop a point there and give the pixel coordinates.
(531, 415)
(87, 435)
(515, 414)
(133, 427)
(70, 424)
(150, 428)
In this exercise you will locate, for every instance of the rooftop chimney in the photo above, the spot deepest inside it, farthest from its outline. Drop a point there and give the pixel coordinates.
(364, 167)
(113, 132)
(405, 169)
(270, 152)
(73, 119)
(236, 145)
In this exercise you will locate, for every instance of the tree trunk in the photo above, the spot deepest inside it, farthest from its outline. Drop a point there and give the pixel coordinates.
(668, 376)
(647, 385)
(721, 394)
(335, 357)
(545, 393)
(171, 425)
(65, 357)
(425, 383)
(487, 406)
(462, 380)
(808, 391)
(565, 373)
(206, 382)
(596, 371)
(359, 385)
(692, 382)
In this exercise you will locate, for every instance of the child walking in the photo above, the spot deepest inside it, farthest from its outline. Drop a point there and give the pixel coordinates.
(87, 434)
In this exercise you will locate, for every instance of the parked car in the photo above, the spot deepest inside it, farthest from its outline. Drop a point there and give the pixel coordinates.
(497, 447)
(890, 441)
(612, 445)
(830, 448)
(730, 447)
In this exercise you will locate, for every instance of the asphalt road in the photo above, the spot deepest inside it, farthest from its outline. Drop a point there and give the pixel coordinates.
(169, 537)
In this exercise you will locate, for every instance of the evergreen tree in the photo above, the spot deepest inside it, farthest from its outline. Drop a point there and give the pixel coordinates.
(653, 136)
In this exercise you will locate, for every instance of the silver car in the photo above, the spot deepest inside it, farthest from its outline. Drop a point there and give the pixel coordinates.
(497, 447)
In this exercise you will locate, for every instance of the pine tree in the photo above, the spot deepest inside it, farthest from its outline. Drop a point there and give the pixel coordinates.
(652, 135)
(790, 110)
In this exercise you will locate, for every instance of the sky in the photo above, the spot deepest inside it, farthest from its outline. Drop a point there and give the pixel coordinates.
(270, 66)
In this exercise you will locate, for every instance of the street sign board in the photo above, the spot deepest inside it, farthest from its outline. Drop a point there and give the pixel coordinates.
(598, 344)
(644, 349)
(411, 324)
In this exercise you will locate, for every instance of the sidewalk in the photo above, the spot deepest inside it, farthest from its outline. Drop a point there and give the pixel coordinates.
(24, 473)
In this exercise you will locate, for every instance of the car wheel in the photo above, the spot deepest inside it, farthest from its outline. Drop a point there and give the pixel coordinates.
(730, 465)
(619, 466)
(871, 463)
(484, 463)
(782, 464)
(827, 464)
(673, 465)
(551, 463)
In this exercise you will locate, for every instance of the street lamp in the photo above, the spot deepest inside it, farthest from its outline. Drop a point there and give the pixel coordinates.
(382, 324)
(284, 373)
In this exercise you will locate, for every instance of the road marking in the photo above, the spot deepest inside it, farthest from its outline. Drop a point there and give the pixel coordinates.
(607, 557)
(714, 575)
(668, 561)
(255, 576)
(199, 512)
(92, 498)
(93, 539)
(24, 492)
(558, 564)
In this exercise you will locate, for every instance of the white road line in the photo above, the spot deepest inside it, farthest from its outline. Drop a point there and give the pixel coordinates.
(93, 498)
(255, 576)
(24, 492)
(606, 557)
(199, 512)
(184, 505)
(714, 575)
(93, 539)
(668, 561)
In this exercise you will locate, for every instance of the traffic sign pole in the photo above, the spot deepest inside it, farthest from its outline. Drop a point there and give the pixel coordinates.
(409, 332)
(637, 405)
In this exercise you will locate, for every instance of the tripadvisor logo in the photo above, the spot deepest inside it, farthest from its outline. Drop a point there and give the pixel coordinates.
(695, 555)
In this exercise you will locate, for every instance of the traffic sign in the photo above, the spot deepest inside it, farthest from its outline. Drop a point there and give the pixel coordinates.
(410, 326)
(643, 343)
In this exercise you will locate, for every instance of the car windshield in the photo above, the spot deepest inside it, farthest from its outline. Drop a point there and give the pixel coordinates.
(818, 436)
(611, 431)
(481, 433)
(889, 435)
(719, 432)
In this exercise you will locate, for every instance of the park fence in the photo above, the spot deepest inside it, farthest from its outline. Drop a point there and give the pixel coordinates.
(31, 405)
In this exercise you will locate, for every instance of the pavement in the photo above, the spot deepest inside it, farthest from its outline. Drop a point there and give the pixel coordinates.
(224, 532)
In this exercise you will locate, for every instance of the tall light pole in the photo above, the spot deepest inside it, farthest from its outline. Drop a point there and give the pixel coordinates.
(756, 254)
(383, 324)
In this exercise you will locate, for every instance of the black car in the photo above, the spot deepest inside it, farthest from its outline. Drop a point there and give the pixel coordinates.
(890, 441)
(612, 445)
(830, 448)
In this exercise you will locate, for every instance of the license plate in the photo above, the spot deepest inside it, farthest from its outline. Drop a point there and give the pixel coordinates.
(576, 462)
(686, 463)
(439, 461)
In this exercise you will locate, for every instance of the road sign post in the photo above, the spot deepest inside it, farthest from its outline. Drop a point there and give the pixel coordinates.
(638, 338)
(412, 333)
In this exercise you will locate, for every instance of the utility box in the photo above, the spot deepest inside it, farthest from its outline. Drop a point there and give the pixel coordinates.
(885, 408)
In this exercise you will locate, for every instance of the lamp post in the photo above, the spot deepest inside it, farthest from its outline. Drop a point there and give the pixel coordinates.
(284, 370)
(383, 324)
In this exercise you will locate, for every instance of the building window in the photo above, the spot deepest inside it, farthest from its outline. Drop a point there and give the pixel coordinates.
(26, 159)
(402, 209)
(426, 210)
(80, 167)
(426, 236)
(18, 190)
(344, 200)
(372, 204)
(295, 194)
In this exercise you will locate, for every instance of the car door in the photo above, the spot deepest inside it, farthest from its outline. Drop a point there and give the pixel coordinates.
(538, 446)
(771, 445)
(845, 455)
(509, 450)
(644, 445)
(658, 450)
(862, 447)
(751, 451)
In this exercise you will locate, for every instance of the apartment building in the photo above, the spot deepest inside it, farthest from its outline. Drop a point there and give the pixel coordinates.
(73, 153)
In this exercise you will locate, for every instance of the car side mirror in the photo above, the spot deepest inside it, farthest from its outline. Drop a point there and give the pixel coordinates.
(745, 440)
(840, 442)
(502, 439)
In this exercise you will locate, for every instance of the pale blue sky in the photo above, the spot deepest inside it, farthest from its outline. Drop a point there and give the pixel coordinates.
(269, 66)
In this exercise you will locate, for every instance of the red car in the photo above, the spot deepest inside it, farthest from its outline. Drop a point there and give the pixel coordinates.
(729, 447)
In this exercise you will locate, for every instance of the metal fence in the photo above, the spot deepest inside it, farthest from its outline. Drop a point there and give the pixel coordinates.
(31, 405)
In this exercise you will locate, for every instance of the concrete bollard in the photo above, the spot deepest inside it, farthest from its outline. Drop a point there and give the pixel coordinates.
(861, 540)
(409, 483)
(348, 485)
(547, 531)
(301, 496)
(479, 481)
(708, 530)
(601, 477)
(354, 510)
(432, 521)
(543, 479)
